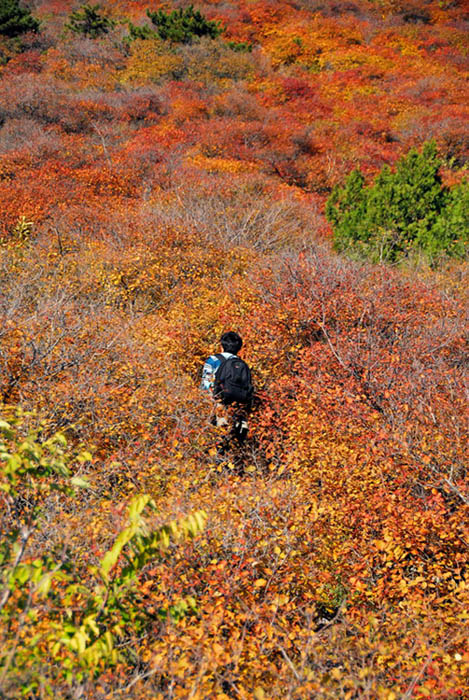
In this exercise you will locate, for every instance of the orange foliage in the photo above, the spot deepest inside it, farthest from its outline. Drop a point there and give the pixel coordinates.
(170, 193)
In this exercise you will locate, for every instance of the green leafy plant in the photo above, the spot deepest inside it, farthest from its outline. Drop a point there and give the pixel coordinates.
(111, 609)
(16, 19)
(89, 21)
(79, 614)
(22, 230)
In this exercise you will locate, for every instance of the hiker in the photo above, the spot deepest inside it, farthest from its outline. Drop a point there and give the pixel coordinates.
(227, 379)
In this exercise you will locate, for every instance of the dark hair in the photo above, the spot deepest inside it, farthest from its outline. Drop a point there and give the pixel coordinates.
(231, 342)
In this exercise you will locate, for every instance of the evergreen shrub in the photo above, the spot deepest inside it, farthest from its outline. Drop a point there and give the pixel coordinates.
(16, 19)
(401, 212)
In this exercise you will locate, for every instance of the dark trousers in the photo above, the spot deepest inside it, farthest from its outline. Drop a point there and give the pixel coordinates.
(235, 418)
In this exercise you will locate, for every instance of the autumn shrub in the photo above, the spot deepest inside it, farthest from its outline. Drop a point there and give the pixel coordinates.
(210, 62)
(42, 99)
(28, 61)
(454, 142)
(132, 103)
(290, 549)
(151, 60)
(44, 584)
(20, 134)
(400, 211)
(170, 191)
(80, 50)
(249, 220)
(238, 102)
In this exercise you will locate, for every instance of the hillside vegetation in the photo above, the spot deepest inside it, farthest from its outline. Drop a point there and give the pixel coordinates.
(293, 170)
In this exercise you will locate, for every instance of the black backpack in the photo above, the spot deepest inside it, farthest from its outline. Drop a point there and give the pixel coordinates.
(233, 383)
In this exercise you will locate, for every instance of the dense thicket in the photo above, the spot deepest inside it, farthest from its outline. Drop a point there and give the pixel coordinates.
(155, 193)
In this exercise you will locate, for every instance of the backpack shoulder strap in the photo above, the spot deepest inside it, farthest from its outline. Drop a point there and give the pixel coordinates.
(224, 359)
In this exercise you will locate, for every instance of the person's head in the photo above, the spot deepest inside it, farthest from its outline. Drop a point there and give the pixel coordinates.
(231, 342)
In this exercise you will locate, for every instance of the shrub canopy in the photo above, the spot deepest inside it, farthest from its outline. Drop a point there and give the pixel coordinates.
(182, 25)
(16, 19)
(403, 210)
(89, 21)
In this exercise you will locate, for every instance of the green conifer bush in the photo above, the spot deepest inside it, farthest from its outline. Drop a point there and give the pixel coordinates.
(89, 21)
(405, 210)
(182, 25)
(16, 19)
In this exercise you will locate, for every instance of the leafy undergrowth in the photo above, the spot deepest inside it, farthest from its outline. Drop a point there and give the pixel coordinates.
(154, 195)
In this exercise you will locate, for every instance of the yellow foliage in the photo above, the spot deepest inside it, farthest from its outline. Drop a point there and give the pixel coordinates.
(222, 165)
(150, 59)
(209, 61)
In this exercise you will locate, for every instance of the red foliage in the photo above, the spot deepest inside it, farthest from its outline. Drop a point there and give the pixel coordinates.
(140, 220)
